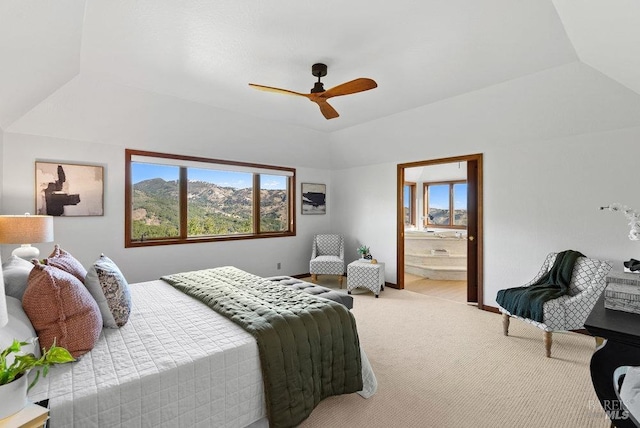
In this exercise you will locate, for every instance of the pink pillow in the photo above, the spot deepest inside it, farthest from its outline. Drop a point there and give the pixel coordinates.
(65, 261)
(59, 306)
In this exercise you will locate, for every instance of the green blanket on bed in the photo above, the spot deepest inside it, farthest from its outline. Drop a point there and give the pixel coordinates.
(309, 347)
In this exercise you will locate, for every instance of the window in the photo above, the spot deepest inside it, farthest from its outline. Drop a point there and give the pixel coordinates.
(445, 204)
(173, 199)
(409, 203)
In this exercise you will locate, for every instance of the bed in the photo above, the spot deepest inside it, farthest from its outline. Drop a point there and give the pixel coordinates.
(176, 363)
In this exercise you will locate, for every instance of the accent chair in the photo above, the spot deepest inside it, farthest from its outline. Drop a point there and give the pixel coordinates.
(569, 312)
(327, 256)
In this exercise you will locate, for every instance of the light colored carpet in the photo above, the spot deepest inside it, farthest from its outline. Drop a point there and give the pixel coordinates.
(445, 364)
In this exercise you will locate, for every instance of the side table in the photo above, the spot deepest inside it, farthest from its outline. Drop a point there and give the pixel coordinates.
(365, 274)
(34, 415)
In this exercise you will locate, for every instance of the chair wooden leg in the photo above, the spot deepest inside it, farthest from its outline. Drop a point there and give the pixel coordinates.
(314, 278)
(505, 324)
(547, 343)
(340, 280)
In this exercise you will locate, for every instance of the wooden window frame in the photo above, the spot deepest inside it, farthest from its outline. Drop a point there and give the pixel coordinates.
(425, 204)
(412, 203)
(183, 238)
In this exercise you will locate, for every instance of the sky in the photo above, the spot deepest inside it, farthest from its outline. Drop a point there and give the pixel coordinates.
(439, 196)
(238, 180)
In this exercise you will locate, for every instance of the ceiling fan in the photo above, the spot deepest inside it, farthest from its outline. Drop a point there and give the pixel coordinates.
(318, 94)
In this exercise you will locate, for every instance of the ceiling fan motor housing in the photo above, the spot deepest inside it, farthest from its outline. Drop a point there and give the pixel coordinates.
(319, 70)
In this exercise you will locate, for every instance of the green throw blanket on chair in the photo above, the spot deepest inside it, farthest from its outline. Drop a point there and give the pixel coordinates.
(528, 302)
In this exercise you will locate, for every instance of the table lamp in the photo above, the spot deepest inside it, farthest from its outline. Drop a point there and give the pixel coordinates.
(19, 229)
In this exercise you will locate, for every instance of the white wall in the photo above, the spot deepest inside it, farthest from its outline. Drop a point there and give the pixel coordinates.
(540, 197)
(561, 185)
(1, 164)
(557, 145)
(361, 203)
(89, 120)
(87, 237)
(552, 156)
(437, 172)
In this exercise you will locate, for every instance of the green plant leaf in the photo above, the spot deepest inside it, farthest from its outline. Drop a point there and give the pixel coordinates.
(35, 380)
(11, 349)
(56, 354)
(22, 363)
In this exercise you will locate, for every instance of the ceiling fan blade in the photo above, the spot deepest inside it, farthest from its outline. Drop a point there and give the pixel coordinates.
(358, 85)
(277, 90)
(327, 111)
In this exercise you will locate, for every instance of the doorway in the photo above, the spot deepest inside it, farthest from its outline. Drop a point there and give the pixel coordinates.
(474, 230)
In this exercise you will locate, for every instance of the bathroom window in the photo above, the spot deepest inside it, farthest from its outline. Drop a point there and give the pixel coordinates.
(445, 204)
(459, 202)
(409, 203)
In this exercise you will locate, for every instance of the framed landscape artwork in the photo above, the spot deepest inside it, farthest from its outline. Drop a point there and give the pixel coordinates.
(69, 190)
(314, 198)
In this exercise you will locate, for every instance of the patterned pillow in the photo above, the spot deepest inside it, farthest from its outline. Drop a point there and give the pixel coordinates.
(60, 259)
(15, 272)
(109, 288)
(61, 308)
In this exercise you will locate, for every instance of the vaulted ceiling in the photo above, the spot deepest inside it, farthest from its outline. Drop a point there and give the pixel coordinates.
(75, 57)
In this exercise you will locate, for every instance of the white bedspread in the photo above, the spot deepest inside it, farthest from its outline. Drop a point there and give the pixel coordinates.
(176, 363)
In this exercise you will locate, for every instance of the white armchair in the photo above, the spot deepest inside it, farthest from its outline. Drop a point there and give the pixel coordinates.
(327, 256)
(570, 311)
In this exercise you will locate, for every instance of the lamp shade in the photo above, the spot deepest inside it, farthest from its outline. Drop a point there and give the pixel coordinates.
(4, 315)
(25, 229)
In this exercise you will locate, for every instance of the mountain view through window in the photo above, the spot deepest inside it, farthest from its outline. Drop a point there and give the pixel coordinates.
(218, 203)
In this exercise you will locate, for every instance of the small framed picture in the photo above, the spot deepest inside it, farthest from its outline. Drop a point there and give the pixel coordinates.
(314, 198)
(69, 190)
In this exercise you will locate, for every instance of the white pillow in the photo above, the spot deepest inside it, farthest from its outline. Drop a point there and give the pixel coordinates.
(110, 290)
(15, 272)
(19, 327)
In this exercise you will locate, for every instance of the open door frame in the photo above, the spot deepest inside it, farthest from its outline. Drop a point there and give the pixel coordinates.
(475, 243)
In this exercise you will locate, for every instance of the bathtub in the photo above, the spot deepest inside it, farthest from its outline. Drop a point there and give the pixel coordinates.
(436, 254)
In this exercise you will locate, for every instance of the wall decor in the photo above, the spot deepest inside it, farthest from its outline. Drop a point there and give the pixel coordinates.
(69, 190)
(314, 198)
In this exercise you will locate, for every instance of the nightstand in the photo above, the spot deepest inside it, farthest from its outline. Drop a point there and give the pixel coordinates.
(32, 416)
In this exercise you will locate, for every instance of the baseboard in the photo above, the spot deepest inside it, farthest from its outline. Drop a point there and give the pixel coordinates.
(490, 309)
(300, 276)
(306, 275)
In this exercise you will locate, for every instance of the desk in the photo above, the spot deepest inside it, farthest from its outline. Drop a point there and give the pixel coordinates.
(367, 275)
(622, 348)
